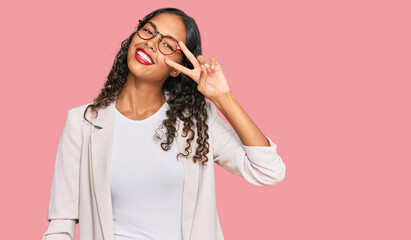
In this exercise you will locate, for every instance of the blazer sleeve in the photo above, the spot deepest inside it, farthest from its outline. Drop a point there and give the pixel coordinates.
(259, 165)
(64, 196)
(57, 230)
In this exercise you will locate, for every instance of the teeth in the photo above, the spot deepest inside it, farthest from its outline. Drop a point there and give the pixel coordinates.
(144, 56)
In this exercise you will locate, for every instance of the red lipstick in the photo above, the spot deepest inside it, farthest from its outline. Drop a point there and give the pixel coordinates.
(142, 60)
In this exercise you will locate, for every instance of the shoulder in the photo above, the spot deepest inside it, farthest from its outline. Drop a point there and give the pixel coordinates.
(79, 109)
(76, 113)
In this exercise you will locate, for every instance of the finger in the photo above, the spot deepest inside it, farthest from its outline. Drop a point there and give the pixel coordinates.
(201, 59)
(207, 67)
(188, 54)
(217, 64)
(212, 62)
(178, 67)
(202, 82)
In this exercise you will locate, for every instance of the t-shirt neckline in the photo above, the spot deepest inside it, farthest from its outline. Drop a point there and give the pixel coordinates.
(142, 120)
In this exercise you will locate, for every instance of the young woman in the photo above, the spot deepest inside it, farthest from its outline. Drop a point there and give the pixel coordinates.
(135, 162)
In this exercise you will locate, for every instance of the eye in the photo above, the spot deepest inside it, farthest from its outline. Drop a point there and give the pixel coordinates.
(171, 48)
(168, 46)
(148, 31)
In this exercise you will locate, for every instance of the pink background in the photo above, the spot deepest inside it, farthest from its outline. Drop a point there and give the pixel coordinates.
(327, 81)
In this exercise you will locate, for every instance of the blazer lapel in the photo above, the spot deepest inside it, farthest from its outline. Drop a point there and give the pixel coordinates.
(101, 141)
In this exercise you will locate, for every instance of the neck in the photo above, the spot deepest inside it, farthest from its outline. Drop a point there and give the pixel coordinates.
(141, 97)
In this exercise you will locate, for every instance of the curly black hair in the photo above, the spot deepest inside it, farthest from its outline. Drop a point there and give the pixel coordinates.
(185, 101)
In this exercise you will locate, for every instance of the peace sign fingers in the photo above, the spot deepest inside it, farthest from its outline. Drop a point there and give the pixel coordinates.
(189, 55)
(192, 73)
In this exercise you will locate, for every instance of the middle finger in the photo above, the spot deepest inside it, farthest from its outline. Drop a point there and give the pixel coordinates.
(189, 55)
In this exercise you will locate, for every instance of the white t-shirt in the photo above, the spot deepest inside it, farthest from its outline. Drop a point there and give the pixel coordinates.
(146, 181)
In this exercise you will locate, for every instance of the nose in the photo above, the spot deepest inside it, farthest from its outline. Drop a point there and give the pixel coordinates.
(153, 43)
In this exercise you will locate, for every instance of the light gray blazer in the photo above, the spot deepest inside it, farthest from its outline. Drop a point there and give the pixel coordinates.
(80, 187)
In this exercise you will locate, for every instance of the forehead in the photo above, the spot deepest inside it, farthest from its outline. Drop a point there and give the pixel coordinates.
(170, 24)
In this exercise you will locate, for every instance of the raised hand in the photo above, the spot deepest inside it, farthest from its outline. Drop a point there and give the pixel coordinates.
(210, 77)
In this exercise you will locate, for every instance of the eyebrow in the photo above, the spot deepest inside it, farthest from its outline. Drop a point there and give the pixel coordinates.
(164, 35)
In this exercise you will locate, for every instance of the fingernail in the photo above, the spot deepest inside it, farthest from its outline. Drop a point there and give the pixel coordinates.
(212, 66)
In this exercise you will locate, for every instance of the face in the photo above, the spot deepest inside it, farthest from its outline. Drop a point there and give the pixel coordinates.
(167, 24)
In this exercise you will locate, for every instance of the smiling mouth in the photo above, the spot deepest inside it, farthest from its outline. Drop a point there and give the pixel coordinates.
(143, 58)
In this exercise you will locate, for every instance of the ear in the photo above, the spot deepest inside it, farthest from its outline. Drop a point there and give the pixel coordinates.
(174, 73)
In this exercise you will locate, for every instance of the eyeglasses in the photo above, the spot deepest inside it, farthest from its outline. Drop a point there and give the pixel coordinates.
(167, 44)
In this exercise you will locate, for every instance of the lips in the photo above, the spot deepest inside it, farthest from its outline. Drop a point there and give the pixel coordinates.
(142, 60)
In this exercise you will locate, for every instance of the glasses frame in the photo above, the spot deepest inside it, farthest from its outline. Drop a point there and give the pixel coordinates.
(155, 34)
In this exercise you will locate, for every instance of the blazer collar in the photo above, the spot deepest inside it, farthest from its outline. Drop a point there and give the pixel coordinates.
(100, 146)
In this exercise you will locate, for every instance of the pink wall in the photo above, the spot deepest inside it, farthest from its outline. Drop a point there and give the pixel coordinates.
(327, 81)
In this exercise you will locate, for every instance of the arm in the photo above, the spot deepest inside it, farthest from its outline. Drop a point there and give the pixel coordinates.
(64, 197)
(244, 126)
(257, 161)
(259, 165)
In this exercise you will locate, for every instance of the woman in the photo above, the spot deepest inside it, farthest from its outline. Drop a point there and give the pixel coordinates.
(115, 177)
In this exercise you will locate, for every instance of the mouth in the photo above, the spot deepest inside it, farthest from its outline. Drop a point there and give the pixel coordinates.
(143, 57)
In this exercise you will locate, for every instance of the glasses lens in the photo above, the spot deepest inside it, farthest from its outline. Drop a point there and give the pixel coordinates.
(147, 31)
(168, 45)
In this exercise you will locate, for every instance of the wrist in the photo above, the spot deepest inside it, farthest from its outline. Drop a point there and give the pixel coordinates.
(223, 100)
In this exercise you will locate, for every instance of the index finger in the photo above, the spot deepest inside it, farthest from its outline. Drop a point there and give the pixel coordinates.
(188, 54)
(178, 67)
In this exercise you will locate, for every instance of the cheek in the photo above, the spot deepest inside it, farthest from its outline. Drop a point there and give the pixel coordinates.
(179, 60)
